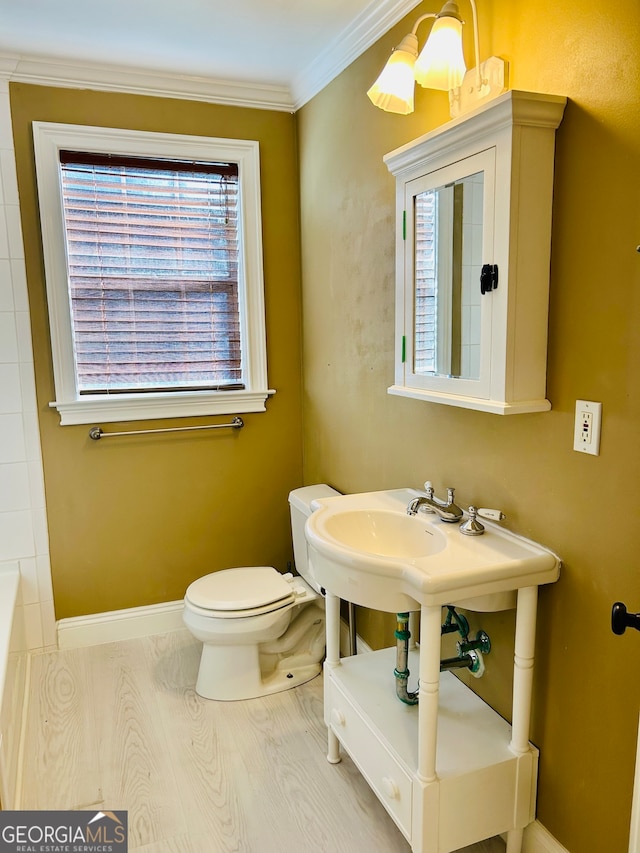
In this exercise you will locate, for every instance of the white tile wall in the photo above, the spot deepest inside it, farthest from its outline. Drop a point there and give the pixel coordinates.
(23, 522)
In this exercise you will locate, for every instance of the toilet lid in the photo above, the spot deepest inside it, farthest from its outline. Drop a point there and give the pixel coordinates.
(240, 589)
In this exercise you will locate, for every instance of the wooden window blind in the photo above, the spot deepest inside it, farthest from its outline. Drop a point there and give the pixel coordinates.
(152, 255)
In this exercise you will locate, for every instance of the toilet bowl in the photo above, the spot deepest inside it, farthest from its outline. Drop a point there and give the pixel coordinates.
(262, 631)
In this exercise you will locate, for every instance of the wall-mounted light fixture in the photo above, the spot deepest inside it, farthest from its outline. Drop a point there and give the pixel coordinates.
(440, 65)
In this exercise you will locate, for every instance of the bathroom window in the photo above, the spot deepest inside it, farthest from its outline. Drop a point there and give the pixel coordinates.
(153, 262)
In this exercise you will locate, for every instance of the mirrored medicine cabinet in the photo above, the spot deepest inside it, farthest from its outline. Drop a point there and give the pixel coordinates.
(474, 202)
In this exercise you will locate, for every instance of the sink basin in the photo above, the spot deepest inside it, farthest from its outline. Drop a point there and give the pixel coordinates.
(384, 533)
(366, 549)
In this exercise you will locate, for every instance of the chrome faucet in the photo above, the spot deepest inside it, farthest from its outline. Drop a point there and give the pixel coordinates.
(447, 510)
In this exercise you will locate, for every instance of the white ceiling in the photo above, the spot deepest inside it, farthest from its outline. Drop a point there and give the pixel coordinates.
(293, 45)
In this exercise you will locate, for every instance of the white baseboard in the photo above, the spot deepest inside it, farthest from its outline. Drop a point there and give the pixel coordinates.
(537, 839)
(134, 622)
(115, 625)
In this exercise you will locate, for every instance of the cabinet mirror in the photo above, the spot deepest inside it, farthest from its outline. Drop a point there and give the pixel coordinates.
(448, 237)
(447, 246)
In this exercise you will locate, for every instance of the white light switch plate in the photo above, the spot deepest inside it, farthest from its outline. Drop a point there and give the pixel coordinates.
(586, 433)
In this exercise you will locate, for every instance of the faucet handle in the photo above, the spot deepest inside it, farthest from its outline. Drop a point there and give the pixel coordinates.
(491, 514)
(428, 487)
(450, 495)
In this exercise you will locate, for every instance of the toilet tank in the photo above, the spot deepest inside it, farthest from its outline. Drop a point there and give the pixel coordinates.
(300, 507)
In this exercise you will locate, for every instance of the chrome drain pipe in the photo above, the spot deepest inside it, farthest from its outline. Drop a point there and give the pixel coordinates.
(470, 652)
(401, 671)
(470, 661)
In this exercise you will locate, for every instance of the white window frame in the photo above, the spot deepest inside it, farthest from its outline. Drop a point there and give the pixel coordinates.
(49, 139)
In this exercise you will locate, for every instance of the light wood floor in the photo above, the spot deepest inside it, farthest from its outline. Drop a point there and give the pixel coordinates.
(120, 726)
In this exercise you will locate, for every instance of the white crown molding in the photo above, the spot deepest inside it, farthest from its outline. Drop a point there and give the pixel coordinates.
(48, 71)
(372, 23)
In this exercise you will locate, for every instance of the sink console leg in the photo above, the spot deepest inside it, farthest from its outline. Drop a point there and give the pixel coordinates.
(333, 750)
(522, 686)
(332, 615)
(514, 841)
(430, 618)
(523, 668)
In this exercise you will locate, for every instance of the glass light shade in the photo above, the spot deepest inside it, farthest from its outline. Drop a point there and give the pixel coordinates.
(393, 90)
(441, 62)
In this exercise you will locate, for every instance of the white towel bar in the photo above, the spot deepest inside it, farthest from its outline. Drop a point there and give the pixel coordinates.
(96, 432)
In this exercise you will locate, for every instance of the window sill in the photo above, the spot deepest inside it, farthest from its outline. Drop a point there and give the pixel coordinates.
(108, 409)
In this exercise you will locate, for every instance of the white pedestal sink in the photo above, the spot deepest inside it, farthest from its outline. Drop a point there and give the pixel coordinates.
(366, 549)
(450, 771)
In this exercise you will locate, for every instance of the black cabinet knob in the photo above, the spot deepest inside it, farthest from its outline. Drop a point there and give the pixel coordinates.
(621, 619)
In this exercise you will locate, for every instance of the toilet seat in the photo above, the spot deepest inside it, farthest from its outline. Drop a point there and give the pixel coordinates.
(241, 592)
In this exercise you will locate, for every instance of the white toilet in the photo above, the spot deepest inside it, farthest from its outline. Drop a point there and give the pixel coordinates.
(262, 631)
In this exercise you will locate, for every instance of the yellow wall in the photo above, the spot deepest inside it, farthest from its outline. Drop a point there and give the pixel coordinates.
(357, 437)
(133, 521)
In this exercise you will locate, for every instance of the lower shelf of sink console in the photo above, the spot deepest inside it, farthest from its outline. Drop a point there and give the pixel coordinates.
(482, 788)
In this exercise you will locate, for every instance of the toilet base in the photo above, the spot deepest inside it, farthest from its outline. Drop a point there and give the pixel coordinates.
(229, 673)
(229, 677)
